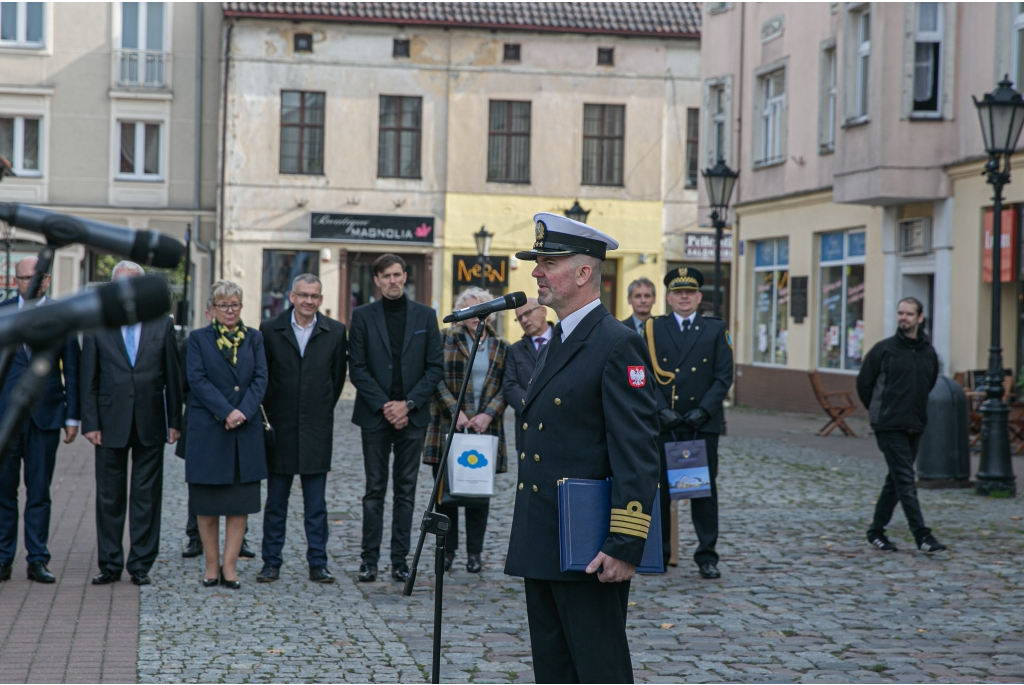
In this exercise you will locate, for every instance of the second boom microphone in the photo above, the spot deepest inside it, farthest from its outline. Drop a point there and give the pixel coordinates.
(510, 301)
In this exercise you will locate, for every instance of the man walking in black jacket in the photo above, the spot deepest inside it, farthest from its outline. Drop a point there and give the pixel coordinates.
(893, 384)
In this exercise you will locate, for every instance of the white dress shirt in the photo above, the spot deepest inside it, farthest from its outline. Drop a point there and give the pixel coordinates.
(681, 319)
(21, 303)
(302, 334)
(132, 354)
(570, 322)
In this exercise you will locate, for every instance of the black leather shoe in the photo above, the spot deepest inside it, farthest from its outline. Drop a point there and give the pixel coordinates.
(193, 549)
(245, 552)
(320, 574)
(106, 578)
(230, 584)
(449, 557)
(473, 564)
(38, 572)
(268, 574)
(400, 573)
(141, 578)
(709, 570)
(5, 572)
(367, 573)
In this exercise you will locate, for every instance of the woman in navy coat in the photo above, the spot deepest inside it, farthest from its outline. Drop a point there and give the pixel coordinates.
(225, 457)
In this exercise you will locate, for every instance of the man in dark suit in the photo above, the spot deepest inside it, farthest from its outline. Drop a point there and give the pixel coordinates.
(36, 447)
(522, 358)
(590, 413)
(131, 401)
(692, 356)
(395, 362)
(640, 295)
(307, 356)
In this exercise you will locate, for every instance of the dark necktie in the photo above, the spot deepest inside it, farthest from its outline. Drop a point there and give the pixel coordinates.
(548, 350)
(686, 326)
(539, 342)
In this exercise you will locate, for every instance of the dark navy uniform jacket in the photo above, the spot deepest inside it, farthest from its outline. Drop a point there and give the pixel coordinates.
(590, 413)
(701, 361)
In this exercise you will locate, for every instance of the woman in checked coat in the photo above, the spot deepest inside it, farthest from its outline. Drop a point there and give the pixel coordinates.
(481, 412)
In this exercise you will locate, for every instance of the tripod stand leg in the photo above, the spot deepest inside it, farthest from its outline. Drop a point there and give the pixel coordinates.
(435, 675)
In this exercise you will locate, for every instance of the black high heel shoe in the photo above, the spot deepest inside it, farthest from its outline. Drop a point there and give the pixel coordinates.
(211, 582)
(230, 584)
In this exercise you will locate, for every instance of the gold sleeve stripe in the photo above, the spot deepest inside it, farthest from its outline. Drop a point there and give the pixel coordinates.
(628, 531)
(629, 526)
(618, 518)
(631, 515)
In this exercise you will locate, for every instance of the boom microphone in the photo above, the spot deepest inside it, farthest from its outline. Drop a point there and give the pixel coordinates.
(124, 302)
(150, 248)
(510, 301)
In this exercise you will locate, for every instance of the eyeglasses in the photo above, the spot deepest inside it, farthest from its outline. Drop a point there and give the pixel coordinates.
(228, 306)
(25, 279)
(315, 297)
(527, 313)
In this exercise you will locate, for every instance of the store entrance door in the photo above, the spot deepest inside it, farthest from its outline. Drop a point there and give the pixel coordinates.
(357, 286)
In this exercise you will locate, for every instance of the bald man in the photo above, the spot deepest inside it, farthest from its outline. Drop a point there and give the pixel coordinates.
(522, 359)
(36, 448)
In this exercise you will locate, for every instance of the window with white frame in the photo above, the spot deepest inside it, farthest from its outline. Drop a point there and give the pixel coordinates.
(138, 150)
(142, 55)
(19, 144)
(841, 294)
(21, 24)
(1018, 42)
(827, 106)
(718, 118)
(927, 59)
(773, 106)
(771, 301)
(863, 42)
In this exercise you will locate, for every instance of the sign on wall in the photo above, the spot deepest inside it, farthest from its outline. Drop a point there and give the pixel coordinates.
(371, 228)
(468, 270)
(701, 247)
(1007, 246)
(798, 298)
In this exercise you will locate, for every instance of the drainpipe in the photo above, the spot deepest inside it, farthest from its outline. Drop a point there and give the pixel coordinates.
(223, 141)
(198, 170)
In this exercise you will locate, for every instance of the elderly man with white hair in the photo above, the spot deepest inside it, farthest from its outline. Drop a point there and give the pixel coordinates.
(131, 404)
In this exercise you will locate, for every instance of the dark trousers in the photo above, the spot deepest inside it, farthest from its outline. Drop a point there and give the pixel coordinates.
(377, 446)
(703, 510)
(143, 504)
(578, 631)
(37, 450)
(275, 514)
(900, 450)
(476, 525)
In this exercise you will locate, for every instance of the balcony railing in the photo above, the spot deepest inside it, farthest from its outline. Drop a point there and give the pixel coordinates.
(147, 68)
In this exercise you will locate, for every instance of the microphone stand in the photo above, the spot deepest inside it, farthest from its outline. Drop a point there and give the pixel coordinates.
(43, 267)
(439, 524)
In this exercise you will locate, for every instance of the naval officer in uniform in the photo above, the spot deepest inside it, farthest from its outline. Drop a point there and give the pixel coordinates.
(692, 358)
(590, 412)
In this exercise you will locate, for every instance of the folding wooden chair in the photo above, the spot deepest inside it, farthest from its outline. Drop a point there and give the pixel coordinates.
(837, 413)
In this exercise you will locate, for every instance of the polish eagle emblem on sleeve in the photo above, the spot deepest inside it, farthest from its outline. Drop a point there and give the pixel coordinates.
(637, 376)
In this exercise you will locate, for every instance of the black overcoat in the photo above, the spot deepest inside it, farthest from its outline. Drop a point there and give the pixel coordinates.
(302, 392)
(590, 413)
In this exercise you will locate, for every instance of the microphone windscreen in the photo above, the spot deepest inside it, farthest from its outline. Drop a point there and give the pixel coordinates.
(516, 300)
(129, 301)
(152, 297)
(152, 248)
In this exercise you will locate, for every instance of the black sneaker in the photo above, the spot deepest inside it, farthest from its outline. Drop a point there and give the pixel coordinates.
(881, 542)
(928, 544)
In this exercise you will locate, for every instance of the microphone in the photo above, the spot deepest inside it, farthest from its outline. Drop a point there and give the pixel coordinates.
(510, 301)
(149, 248)
(123, 302)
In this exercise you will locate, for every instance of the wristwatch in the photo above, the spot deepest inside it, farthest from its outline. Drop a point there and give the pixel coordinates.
(410, 405)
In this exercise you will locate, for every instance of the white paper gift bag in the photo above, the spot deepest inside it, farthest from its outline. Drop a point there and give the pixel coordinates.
(471, 464)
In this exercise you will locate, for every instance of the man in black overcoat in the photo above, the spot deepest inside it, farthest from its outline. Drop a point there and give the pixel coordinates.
(590, 413)
(522, 358)
(692, 356)
(131, 386)
(307, 357)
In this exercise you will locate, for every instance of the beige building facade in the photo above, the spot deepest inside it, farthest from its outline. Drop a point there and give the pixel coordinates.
(347, 137)
(860, 154)
(109, 111)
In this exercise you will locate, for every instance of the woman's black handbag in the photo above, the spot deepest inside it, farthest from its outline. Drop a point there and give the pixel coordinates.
(269, 434)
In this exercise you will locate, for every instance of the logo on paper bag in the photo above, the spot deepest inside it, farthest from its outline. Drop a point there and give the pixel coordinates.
(637, 376)
(472, 459)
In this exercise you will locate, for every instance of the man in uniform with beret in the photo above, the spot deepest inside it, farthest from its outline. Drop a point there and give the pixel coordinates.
(590, 413)
(692, 358)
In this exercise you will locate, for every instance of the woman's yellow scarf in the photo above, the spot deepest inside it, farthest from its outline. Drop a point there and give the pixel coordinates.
(228, 341)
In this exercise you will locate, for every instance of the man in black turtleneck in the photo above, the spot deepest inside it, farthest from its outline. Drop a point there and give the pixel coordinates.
(894, 382)
(395, 363)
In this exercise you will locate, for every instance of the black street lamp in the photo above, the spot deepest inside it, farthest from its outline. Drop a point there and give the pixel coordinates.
(577, 213)
(483, 239)
(1001, 113)
(719, 181)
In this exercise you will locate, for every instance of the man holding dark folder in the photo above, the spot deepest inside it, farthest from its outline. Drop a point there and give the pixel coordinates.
(590, 413)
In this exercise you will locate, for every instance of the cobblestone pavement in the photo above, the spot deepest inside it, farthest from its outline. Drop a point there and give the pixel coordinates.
(802, 598)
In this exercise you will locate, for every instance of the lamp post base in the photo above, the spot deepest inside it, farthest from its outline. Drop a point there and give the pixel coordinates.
(995, 472)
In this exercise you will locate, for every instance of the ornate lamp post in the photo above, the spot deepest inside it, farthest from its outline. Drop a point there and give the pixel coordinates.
(483, 239)
(719, 181)
(577, 213)
(1001, 113)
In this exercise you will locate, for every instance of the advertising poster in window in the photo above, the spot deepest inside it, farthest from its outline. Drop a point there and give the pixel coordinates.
(1007, 246)
(469, 270)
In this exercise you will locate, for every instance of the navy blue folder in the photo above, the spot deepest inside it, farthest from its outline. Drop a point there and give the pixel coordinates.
(584, 519)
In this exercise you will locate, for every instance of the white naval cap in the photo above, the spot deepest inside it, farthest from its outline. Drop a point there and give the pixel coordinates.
(560, 236)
